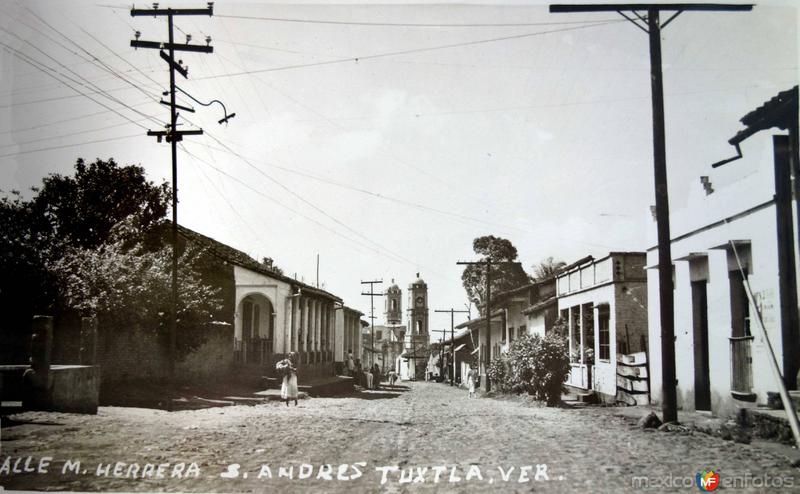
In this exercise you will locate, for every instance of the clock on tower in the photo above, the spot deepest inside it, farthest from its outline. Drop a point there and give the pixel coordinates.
(418, 307)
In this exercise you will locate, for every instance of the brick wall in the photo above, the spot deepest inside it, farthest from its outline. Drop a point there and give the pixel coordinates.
(631, 311)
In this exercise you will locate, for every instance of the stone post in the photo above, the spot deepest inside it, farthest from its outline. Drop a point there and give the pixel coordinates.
(37, 382)
(89, 340)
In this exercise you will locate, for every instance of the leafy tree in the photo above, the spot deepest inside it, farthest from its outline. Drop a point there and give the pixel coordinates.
(546, 268)
(75, 211)
(131, 286)
(81, 210)
(92, 242)
(504, 276)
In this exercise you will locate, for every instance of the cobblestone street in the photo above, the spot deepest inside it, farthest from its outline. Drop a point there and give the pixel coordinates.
(451, 444)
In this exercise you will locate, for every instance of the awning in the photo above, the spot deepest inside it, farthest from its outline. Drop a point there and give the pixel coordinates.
(474, 351)
(459, 347)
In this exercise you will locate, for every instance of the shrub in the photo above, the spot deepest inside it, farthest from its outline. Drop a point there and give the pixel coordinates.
(539, 366)
(498, 373)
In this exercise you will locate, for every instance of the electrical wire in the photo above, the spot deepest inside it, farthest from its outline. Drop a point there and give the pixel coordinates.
(398, 24)
(25, 58)
(86, 83)
(406, 52)
(61, 136)
(371, 193)
(138, 134)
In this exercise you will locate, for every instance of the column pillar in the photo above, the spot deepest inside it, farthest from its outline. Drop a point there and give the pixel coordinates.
(304, 325)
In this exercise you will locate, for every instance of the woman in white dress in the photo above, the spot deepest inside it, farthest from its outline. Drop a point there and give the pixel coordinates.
(471, 375)
(289, 385)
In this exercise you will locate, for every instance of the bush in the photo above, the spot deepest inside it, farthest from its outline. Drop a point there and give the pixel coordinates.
(498, 373)
(539, 366)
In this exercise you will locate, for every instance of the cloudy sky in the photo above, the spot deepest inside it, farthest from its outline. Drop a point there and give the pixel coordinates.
(385, 138)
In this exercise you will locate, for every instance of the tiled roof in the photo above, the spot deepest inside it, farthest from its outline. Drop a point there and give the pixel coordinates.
(234, 256)
(779, 111)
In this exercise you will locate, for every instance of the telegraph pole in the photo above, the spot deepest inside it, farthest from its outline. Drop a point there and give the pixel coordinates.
(372, 296)
(441, 346)
(172, 134)
(452, 312)
(488, 263)
(647, 18)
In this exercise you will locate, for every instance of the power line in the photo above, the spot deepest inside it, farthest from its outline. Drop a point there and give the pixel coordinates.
(399, 24)
(65, 120)
(405, 52)
(91, 85)
(310, 204)
(70, 145)
(374, 194)
(49, 138)
(103, 65)
(272, 199)
(27, 59)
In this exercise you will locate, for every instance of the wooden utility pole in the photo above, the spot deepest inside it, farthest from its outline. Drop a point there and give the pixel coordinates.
(171, 133)
(647, 18)
(441, 347)
(488, 310)
(452, 312)
(371, 295)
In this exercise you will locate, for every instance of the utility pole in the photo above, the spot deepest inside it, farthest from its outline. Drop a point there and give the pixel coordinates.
(647, 18)
(441, 346)
(452, 312)
(372, 296)
(172, 134)
(488, 310)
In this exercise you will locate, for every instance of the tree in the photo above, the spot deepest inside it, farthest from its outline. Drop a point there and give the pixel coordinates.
(69, 211)
(130, 286)
(504, 276)
(81, 210)
(546, 268)
(66, 218)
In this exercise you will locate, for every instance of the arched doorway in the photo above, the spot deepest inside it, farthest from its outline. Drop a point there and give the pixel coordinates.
(255, 329)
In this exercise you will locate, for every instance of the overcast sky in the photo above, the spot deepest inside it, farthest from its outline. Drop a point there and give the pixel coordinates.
(496, 119)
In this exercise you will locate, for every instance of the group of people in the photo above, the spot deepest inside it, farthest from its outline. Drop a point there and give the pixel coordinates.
(369, 378)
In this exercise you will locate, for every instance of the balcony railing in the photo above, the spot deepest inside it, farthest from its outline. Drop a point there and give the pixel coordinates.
(741, 367)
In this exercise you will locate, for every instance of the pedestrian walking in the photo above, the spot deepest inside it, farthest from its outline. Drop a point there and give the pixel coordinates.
(472, 375)
(351, 365)
(376, 376)
(288, 368)
(392, 378)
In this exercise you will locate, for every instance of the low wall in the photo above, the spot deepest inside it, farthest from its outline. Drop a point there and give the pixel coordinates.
(70, 388)
(212, 360)
(76, 388)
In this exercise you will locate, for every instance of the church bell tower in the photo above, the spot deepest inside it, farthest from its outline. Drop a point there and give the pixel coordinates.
(418, 308)
(394, 305)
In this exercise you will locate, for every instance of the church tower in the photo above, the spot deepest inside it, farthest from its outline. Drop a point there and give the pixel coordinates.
(394, 305)
(418, 308)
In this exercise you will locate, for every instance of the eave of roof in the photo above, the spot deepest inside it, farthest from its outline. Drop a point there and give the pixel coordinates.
(779, 111)
(540, 305)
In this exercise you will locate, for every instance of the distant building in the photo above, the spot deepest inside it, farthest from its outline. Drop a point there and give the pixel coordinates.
(414, 358)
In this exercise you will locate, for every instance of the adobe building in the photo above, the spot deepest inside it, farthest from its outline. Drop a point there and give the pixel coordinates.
(733, 254)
